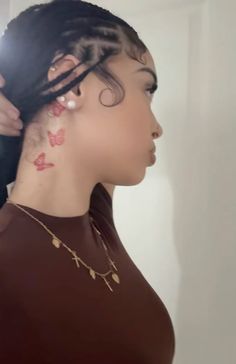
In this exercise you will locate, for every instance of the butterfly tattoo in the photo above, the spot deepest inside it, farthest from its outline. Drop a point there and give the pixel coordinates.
(57, 109)
(56, 139)
(41, 164)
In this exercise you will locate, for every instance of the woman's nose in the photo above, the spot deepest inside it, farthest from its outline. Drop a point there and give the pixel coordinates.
(158, 132)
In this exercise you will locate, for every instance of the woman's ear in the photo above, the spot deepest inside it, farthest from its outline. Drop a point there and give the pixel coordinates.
(73, 96)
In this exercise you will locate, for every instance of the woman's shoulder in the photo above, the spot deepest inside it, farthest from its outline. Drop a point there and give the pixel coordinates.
(7, 216)
(12, 229)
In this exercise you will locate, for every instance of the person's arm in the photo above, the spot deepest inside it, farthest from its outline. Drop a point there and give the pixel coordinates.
(10, 123)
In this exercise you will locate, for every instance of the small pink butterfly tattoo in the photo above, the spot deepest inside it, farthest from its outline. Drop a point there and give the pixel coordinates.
(56, 139)
(57, 109)
(41, 164)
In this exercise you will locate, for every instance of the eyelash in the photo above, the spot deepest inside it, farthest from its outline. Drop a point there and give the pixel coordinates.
(152, 89)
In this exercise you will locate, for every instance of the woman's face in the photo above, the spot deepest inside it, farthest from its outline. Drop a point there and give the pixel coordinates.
(116, 141)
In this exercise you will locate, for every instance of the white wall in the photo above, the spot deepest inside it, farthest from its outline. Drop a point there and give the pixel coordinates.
(179, 224)
(4, 14)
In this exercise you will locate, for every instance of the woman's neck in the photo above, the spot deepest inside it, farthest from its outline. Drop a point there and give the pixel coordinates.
(47, 182)
(58, 195)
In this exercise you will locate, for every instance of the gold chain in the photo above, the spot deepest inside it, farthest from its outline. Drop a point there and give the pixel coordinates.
(57, 243)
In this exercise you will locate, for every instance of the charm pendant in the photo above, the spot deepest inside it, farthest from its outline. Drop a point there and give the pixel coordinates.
(92, 273)
(76, 259)
(113, 264)
(107, 283)
(115, 278)
(56, 242)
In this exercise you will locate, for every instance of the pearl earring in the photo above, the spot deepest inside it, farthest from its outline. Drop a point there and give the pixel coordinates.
(71, 104)
(61, 98)
(53, 68)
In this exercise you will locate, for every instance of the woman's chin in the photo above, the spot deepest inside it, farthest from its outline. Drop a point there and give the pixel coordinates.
(152, 160)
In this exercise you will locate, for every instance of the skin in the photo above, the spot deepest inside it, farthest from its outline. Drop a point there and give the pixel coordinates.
(87, 145)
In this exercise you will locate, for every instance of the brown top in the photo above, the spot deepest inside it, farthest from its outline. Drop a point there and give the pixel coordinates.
(53, 312)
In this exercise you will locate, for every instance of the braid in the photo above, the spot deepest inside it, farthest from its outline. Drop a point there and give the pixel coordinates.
(34, 38)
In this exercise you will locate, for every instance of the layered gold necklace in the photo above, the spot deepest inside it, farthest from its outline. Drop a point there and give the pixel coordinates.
(57, 243)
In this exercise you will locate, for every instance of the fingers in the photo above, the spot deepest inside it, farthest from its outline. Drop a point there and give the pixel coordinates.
(2, 81)
(9, 131)
(9, 126)
(9, 116)
(6, 105)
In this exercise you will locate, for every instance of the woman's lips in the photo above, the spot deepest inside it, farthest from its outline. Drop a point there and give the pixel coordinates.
(152, 158)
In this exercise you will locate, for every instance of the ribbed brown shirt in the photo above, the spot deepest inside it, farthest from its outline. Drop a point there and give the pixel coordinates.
(52, 312)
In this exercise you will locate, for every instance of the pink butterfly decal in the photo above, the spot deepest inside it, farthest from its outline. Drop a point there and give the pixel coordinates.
(41, 164)
(58, 138)
(57, 109)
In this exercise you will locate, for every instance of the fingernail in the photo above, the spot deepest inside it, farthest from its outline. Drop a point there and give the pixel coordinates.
(14, 114)
(18, 125)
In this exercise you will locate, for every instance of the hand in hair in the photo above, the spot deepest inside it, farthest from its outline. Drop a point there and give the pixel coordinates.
(9, 115)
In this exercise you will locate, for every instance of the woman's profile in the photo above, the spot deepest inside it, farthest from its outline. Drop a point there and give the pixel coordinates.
(82, 81)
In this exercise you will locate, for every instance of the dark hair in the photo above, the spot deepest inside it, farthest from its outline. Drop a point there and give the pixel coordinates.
(34, 38)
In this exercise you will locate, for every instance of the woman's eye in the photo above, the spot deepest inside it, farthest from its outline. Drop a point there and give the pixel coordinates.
(152, 89)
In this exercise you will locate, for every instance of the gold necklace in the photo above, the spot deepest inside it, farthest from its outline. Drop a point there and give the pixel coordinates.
(57, 243)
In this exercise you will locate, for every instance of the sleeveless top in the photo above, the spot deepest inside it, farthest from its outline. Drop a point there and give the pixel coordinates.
(52, 312)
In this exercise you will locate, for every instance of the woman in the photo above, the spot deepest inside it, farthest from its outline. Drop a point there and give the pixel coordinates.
(82, 81)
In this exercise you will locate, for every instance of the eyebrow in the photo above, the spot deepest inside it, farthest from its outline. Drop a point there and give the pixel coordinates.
(150, 71)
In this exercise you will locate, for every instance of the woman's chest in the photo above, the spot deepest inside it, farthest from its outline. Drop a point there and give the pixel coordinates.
(79, 318)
